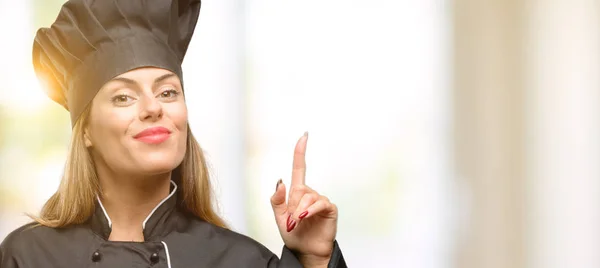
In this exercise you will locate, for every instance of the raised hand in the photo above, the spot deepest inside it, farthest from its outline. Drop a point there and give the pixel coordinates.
(307, 222)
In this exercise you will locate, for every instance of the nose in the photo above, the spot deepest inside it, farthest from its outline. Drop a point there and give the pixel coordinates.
(150, 108)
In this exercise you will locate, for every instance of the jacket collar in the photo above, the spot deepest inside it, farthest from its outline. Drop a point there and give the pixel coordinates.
(159, 222)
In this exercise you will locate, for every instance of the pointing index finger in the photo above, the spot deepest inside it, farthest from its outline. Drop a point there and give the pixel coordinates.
(299, 162)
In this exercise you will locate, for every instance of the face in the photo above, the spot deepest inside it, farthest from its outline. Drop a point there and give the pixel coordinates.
(138, 123)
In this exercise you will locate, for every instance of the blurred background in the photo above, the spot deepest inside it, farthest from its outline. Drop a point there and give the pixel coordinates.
(457, 133)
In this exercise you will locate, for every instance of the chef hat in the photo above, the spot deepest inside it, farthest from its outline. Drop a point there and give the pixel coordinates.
(92, 42)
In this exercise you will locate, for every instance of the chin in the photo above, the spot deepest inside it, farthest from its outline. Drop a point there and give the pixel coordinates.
(157, 164)
(156, 169)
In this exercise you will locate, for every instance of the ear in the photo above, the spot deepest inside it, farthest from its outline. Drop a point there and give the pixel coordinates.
(86, 138)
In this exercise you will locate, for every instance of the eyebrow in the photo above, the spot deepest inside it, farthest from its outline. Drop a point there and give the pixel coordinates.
(163, 77)
(133, 82)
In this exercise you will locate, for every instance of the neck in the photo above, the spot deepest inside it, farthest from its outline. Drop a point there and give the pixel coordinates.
(128, 202)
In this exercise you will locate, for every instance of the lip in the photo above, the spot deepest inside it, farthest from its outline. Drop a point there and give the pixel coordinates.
(153, 135)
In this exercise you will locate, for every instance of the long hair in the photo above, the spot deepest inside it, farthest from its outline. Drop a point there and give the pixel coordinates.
(75, 200)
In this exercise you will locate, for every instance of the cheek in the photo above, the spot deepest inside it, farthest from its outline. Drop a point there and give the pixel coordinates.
(178, 114)
(109, 126)
(179, 117)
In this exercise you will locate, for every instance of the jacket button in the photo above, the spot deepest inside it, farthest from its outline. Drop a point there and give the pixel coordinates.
(96, 256)
(154, 257)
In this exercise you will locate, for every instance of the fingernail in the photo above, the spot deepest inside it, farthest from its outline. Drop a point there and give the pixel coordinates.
(277, 186)
(288, 221)
(303, 214)
(306, 134)
(291, 226)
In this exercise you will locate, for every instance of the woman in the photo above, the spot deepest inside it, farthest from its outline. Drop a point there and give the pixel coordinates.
(135, 190)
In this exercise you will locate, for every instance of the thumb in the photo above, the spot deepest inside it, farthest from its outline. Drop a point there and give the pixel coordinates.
(278, 201)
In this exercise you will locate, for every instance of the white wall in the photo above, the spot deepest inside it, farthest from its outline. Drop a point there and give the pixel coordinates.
(563, 56)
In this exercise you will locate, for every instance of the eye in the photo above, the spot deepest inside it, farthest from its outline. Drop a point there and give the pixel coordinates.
(169, 93)
(121, 98)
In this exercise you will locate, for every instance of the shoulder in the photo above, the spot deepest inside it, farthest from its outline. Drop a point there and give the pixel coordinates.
(18, 237)
(16, 242)
(34, 232)
(32, 236)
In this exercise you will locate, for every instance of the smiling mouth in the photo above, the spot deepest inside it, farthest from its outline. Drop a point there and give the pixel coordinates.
(154, 135)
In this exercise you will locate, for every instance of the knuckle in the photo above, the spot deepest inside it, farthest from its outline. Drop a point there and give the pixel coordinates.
(299, 189)
(334, 208)
(311, 198)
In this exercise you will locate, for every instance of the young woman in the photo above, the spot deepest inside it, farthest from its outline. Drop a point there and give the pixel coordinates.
(135, 190)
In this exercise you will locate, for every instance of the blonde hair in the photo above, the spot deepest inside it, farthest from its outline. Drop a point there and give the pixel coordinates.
(75, 200)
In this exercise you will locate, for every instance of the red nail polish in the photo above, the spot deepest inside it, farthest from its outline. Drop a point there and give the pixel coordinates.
(288, 221)
(291, 226)
(303, 214)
